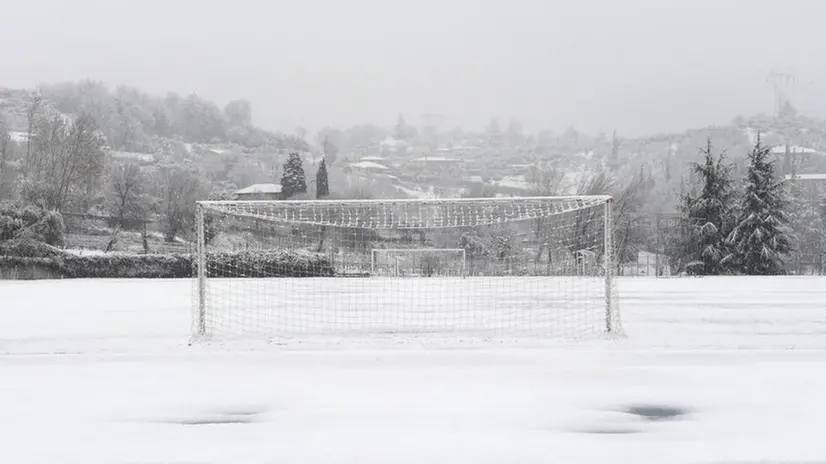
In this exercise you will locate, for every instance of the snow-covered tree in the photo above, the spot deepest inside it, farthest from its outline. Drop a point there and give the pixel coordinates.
(762, 239)
(322, 183)
(293, 179)
(403, 131)
(807, 218)
(708, 217)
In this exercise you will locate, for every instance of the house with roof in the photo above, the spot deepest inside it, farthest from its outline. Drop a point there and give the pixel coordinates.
(438, 165)
(814, 185)
(391, 146)
(366, 168)
(259, 192)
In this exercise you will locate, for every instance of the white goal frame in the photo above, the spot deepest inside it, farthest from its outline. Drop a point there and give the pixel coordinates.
(375, 251)
(611, 325)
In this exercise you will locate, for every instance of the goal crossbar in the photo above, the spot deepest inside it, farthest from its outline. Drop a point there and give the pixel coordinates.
(422, 201)
(407, 214)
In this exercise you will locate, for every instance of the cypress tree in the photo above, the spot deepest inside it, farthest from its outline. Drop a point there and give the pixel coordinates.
(322, 185)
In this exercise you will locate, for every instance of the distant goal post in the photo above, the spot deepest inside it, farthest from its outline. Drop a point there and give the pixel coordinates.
(418, 262)
(530, 267)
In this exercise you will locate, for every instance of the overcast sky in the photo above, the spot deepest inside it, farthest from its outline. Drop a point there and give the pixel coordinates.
(637, 66)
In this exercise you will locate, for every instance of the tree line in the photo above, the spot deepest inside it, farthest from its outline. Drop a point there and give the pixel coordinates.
(747, 226)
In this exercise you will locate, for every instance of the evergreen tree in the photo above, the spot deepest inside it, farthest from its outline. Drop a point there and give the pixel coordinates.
(707, 217)
(293, 180)
(808, 222)
(762, 239)
(322, 185)
(401, 131)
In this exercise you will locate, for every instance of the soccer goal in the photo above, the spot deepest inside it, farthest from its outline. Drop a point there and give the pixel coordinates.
(477, 269)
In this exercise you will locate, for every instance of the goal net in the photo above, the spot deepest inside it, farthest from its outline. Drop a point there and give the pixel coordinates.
(407, 270)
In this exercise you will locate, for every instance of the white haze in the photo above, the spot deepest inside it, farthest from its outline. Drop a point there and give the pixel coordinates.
(635, 66)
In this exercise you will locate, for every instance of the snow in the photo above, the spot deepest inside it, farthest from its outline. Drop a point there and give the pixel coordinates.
(516, 182)
(416, 192)
(437, 159)
(99, 371)
(260, 188)
(806, 177)
(367, 165)
(136, 156)
(781, 150)
(392, 143)
(19, 137)
(85, 251)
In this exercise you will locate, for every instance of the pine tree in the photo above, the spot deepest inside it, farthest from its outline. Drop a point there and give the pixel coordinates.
(401, 131)
(322, 185)
(762, 239)
(707, 217)
(293, 180)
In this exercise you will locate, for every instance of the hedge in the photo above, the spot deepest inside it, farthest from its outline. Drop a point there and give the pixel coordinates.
(276, 263)
(127, 266)
(28, 259)
(22, 268)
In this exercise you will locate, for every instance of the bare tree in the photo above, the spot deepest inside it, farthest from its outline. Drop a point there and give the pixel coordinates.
(180, 188)
(613, 157)
(127, 203)
(6, 178)
(629, 219)
(31, 119)
(546, 181)
(66, 158)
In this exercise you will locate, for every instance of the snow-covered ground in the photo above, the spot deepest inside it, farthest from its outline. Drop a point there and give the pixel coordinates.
(713, 370)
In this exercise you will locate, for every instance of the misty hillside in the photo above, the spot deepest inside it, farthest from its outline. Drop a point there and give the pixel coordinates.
(423, 160)
(152, 157)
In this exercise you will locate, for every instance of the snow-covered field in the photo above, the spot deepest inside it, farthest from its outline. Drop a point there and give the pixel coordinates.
(713, 370)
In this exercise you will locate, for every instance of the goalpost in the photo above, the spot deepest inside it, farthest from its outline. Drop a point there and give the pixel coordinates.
(470, 269)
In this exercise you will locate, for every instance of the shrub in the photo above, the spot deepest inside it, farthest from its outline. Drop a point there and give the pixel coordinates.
(26, 220)
(29, 248)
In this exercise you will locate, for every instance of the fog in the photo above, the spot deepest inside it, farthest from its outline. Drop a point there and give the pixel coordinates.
(637, 67)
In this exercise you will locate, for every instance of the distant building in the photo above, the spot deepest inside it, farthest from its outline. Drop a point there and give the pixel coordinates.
(133, 156)
(373, 158)
(393, 146)
(793, 150)
(439, 165)
(259, 192)
(19, 137)
(813, 184)
(366, 168)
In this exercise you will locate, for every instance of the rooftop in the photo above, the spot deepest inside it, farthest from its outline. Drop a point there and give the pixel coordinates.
(147, 157)
(260, 188)
(781, 149)
(437, 159)
(807, 176)
(368, 165)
